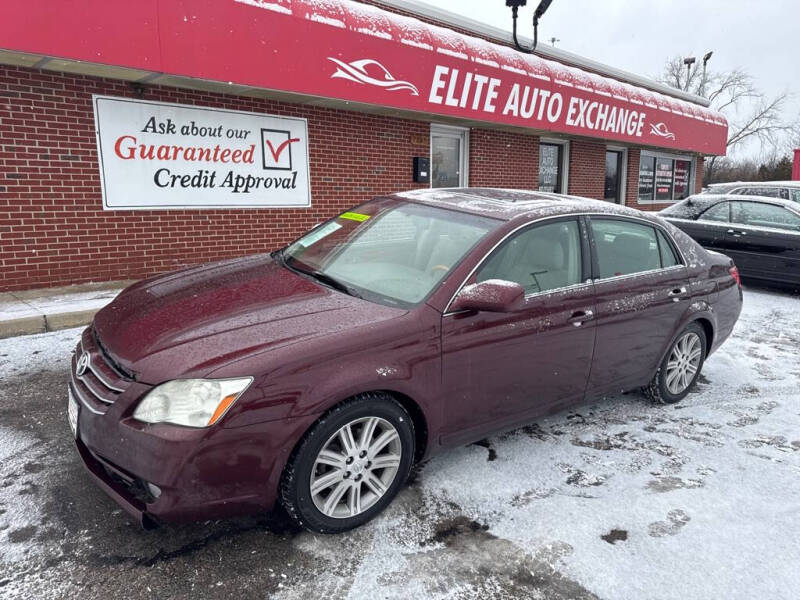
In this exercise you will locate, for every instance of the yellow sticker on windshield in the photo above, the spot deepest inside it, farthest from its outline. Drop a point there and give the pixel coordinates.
(353, 216)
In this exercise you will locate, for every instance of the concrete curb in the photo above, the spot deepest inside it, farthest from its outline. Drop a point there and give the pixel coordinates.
(23, 326)
(45, 323)
(39, 311)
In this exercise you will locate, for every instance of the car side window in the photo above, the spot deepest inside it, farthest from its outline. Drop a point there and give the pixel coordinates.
(668, 257)
(758, 214)
(539, 258)
(624, 247)
(719, 212)
(795, 195)
(764, 192)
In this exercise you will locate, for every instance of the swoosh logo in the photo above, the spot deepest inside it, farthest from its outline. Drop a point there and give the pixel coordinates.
(276, 152)
(660, 129)
(356, 72)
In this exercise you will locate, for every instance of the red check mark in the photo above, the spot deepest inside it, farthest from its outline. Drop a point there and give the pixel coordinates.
(276, 152)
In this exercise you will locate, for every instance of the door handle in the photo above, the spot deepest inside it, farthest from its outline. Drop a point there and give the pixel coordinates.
(579, 317)
(676, 293)
(735, 233)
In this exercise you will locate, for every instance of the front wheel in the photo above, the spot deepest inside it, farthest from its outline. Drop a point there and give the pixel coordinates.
(680, 368)
(350, 464)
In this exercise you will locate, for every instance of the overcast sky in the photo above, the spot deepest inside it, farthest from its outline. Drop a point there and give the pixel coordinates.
(763, 38)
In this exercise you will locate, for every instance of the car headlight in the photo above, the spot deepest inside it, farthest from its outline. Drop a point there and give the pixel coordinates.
(190, 402)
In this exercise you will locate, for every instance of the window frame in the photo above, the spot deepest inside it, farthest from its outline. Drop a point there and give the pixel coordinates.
(657, 227)
(651, 154)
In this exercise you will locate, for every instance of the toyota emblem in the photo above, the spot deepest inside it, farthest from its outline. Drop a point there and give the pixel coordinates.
(83, 363)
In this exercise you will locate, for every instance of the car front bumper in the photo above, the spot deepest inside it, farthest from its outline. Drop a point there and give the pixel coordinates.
(199, 473)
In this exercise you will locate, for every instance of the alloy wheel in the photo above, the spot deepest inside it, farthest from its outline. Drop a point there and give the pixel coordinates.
(355, 467)
(684, 362)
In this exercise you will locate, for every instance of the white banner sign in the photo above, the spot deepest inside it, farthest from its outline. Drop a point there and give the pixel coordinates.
(161, 155)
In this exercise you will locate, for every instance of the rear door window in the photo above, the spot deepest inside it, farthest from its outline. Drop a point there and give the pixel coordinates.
(719, 212)
(668, 256)
(758, 214)
(624, 247)
(765, 192)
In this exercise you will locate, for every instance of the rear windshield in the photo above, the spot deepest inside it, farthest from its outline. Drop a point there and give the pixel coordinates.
(685, 209)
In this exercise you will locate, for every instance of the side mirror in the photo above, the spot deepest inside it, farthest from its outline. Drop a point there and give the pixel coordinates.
(492, 295)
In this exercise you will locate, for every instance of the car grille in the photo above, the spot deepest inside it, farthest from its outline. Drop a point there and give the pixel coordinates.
(101, 382)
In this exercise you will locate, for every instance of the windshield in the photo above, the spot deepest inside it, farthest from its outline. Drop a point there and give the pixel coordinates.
(388, 251)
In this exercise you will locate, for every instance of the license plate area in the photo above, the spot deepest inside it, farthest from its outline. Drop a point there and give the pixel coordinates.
(72, 412)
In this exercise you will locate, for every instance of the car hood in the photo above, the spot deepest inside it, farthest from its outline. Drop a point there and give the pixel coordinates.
(191, 322)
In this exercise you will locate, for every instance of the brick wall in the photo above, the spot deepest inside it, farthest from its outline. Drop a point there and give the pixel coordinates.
(587, 168)
(53, 229)
(632, 179)
(698, 177)
(503, 159)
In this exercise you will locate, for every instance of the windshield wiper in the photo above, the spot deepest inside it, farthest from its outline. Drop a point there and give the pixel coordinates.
(333, 282)
(318, 275)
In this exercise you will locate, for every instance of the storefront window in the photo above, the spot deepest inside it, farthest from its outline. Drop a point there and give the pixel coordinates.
(682, 170)
(664, 175)
(664, 178)
(647, 171)
(551, 160)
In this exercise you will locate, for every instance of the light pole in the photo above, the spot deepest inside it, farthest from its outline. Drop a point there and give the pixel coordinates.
(553, 41)
(703, 83)
(689, 61)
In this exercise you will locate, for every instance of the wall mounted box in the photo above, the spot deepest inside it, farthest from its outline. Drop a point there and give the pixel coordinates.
(422, 169)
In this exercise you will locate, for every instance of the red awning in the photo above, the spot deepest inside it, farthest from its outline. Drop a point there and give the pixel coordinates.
(354, 52)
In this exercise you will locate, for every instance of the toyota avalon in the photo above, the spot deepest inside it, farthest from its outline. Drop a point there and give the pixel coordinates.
(315, 376)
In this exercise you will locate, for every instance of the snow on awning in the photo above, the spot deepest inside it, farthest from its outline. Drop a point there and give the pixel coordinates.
(353, 52)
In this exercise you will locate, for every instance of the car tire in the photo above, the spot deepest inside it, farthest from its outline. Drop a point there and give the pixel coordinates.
(678, 372)
(331, 482)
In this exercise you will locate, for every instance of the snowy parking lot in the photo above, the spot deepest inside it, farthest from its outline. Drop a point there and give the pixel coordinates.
(617, 499)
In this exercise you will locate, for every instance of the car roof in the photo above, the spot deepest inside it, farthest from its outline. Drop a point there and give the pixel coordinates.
(508, 204)
(735, 184)
(698, 203)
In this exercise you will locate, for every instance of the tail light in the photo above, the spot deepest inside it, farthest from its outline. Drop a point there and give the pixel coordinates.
(735, 274)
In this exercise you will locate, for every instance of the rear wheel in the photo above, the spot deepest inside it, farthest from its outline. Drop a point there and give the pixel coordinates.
(350, 464)
(680, 368)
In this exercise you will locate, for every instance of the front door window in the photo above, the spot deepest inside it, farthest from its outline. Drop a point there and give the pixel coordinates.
(540, 259)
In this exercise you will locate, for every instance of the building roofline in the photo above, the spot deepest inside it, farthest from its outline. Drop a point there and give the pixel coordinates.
(452, 19)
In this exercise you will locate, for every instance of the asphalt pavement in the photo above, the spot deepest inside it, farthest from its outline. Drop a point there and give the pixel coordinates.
(616, 499)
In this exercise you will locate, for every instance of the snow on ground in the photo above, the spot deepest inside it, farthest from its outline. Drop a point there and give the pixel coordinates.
(617, 499)
(32, 353)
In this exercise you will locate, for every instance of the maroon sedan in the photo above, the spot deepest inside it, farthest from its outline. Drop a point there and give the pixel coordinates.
(317, 375)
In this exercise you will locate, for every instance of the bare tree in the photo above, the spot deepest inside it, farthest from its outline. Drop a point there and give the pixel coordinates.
(751, 115)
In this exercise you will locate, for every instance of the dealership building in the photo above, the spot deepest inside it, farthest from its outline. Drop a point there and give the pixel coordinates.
(143, 136)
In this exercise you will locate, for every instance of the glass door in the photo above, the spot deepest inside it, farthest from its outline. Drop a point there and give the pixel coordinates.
(448, 161)
(613, 184)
